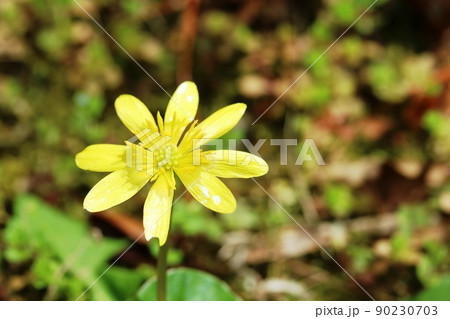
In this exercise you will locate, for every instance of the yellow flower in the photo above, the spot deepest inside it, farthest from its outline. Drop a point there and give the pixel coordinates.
(159, 153)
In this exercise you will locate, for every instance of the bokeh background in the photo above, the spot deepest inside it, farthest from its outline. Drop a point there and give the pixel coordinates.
(377, 105)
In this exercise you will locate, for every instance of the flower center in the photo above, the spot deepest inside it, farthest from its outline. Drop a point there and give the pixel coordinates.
(166, 156)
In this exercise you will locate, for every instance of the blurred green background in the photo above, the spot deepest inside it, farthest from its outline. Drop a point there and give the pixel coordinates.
(377, 105)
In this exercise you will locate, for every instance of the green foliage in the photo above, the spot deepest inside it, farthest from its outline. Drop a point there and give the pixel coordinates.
(436, 123)
(339, 199)
(174, 256)
(362, 257)
(438, 292)
(122, 283)
(216, 22)
(345, 12)
(191, 219)
(64, 253)
(433, 263)
(398, 73)
(245, 218)
(410, 219)
(321, 31)
(87, 109)
(185, 284)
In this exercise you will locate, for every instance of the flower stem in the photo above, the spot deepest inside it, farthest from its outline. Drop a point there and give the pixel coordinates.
(161, 272)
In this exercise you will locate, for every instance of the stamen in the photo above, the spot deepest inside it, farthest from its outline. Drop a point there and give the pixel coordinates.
(154, 157)
(160, 123)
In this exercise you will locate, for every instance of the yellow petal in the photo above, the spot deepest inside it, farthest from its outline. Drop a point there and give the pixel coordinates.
(230, 163)
(218, 123)
(134, 114)
(102, 158)
(114, 189)
(207, 189)
(181, 110)
(157, 210)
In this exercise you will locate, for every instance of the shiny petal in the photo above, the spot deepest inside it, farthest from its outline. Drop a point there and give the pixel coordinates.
(114, 189)
(134, 114)
(102, 158)
(219, 123)
(230, 163)
(157, 210)
(181, 110)
(207, 189)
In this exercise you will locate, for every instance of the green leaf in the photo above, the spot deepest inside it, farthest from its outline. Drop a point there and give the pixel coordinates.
(362, 258)
(215, 22)
(438, 292)
(344, 12)
(339, 200)
(321, 31)
(88, 106)
(412, 217)
(435, 122)
(122, 283)
(64, 247)
(321, 63)
(185, 284)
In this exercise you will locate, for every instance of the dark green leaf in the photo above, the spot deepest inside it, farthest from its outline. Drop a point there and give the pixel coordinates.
(185, 284)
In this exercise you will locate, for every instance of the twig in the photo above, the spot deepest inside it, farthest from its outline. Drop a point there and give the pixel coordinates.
(186, 41)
